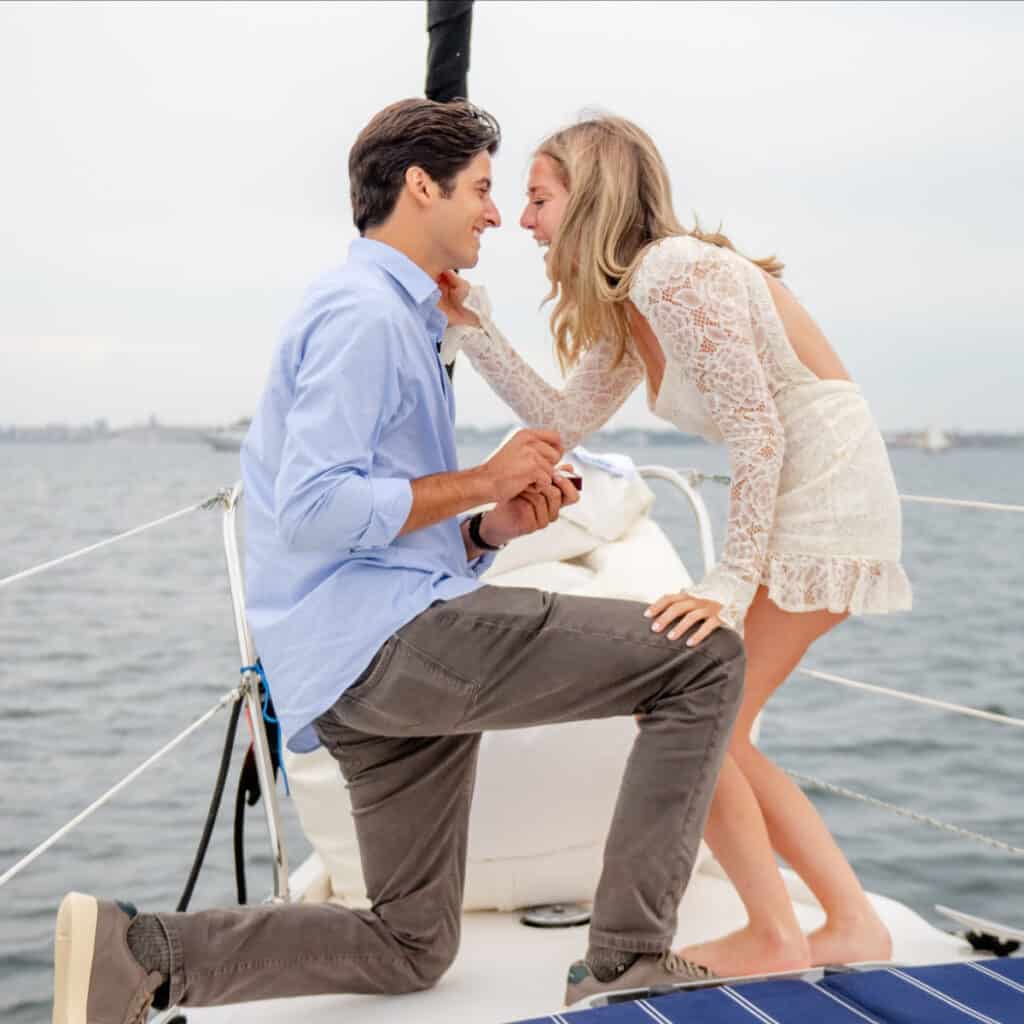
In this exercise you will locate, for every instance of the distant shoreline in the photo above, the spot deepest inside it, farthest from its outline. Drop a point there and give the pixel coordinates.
(158, 433)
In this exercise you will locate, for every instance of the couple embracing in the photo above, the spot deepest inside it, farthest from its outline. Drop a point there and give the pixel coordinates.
(382, 644)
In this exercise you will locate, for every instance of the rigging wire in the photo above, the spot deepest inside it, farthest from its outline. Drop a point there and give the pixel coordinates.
(211, 502)
(33, 855)
(914, 698)
(905, 812)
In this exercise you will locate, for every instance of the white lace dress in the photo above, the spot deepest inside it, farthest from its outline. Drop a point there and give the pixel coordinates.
(814, 514)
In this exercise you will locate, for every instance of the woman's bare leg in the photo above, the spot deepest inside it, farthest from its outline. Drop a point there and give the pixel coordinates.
(772, 939)
(852, 931)
(758, 807)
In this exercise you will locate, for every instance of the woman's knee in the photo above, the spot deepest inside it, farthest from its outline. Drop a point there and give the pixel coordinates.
(743, 751)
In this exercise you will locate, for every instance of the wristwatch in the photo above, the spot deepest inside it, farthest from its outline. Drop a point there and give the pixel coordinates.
(474, 534)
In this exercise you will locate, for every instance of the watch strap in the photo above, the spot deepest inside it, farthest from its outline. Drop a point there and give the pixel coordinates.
(474, 534)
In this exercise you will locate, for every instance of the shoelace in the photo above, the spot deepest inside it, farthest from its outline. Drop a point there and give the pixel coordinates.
(143, 1013)
(676, 964)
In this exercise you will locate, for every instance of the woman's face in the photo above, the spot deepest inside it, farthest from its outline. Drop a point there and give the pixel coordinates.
(546, 199)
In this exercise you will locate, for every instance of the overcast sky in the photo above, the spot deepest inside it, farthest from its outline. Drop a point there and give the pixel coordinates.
(172, 176)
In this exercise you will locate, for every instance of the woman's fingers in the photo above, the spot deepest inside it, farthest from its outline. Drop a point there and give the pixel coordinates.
(662, 603)
(673, 612)
(710, 625)
(454, 292)
(686, 612)
(447, 286)
(456, 286)
(688, 622)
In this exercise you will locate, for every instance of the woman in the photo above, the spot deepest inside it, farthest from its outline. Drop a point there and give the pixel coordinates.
(814, 519)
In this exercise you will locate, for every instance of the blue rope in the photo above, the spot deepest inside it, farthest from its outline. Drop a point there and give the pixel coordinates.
(269, 718)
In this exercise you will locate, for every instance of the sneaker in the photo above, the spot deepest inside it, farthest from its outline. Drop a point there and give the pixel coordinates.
(648, 971)
(96, 978)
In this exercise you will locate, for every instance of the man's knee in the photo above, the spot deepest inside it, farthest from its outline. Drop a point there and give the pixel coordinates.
(426, 964)
(725, 647)
(718, 670)
(713, 671)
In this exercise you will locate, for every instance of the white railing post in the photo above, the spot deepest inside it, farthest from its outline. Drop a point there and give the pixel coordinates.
(254, 709)
(700, 510)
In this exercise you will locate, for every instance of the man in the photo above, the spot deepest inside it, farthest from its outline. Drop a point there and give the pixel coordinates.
(381, 643)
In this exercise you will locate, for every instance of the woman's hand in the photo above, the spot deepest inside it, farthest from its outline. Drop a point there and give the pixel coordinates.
(454, 291)
(689, 610)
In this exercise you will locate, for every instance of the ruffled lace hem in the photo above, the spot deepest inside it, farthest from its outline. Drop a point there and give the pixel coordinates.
(861, 586)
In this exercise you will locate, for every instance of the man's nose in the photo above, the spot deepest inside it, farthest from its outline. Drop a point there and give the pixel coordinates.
(493, 217)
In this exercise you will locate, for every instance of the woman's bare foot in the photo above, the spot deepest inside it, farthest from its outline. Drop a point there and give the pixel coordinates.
(850, 941)
(749, 951)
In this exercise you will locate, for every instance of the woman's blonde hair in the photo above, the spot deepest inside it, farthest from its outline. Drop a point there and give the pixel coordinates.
(620, 201)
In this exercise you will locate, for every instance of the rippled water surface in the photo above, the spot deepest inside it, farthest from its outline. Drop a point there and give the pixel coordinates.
(105, 659)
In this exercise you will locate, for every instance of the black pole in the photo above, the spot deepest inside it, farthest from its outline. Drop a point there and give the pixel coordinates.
(449, 23)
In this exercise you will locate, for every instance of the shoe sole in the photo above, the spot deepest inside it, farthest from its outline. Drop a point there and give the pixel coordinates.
(74, 948)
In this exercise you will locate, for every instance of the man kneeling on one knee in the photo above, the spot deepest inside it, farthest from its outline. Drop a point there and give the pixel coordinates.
(381, 643)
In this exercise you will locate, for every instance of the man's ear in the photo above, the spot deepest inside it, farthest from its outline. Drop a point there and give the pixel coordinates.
(421, 186)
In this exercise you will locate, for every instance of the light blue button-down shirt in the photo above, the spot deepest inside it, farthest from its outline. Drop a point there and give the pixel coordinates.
(357, 405)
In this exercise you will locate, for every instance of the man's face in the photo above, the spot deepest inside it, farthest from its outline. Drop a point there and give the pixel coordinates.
(458, 222)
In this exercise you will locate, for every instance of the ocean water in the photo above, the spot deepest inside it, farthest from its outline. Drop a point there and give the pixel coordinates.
(104, 660)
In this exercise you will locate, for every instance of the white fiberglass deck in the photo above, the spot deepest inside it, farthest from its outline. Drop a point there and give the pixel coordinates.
(508, 972)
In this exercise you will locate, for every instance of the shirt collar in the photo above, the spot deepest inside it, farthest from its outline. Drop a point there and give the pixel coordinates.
(415, 281)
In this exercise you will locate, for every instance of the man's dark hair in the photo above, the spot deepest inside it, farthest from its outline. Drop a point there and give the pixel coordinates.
(442, 138)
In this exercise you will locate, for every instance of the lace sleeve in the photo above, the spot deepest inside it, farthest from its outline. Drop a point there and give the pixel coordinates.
(696, 300)
(592, 393)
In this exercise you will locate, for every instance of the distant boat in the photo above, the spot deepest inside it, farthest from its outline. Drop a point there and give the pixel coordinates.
(227, 439)
(934, 439)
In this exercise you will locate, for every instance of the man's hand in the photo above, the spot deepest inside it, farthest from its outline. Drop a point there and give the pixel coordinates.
(528, 459)
(532, 509)
(454, 290)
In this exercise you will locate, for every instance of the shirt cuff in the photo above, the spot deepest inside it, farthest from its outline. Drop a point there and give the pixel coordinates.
(391, 503)
(479, 565)
(305, 741)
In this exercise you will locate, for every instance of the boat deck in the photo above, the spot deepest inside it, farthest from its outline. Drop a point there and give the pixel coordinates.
(508, 972)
